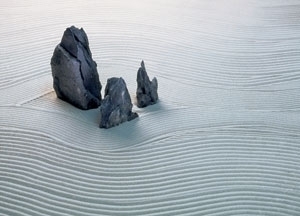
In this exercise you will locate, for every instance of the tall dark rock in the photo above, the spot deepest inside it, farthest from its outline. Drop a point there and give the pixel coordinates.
(146, 92)
(116, 107)
(75, 76)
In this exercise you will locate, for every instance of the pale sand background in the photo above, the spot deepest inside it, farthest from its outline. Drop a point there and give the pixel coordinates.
(223, 140)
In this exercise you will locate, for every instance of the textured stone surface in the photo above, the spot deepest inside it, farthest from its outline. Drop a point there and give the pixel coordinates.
(75, 76)
(116, 107)
(146, 92)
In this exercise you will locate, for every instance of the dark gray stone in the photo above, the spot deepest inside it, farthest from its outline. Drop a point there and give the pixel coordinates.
(116, 107)
(75, 76)
(146, 92)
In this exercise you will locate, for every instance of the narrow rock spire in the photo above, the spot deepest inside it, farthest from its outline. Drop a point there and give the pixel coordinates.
(146, 92)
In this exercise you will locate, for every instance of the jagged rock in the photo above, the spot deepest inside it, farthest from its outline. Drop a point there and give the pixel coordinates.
(146, 92)
(75, 76)
(116, 107)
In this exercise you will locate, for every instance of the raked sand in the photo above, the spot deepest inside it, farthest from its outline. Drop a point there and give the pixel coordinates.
(224, 138)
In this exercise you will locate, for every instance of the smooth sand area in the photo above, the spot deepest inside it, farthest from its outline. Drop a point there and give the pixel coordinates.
(224, 138)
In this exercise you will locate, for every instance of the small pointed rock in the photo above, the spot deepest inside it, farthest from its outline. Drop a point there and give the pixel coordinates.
(146, 92)
(116, 107)
(75, 76)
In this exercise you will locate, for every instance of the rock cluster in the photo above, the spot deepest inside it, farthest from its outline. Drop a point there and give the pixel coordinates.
(146, 93)
(75, 76)
(76, 80)
(116, 107)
